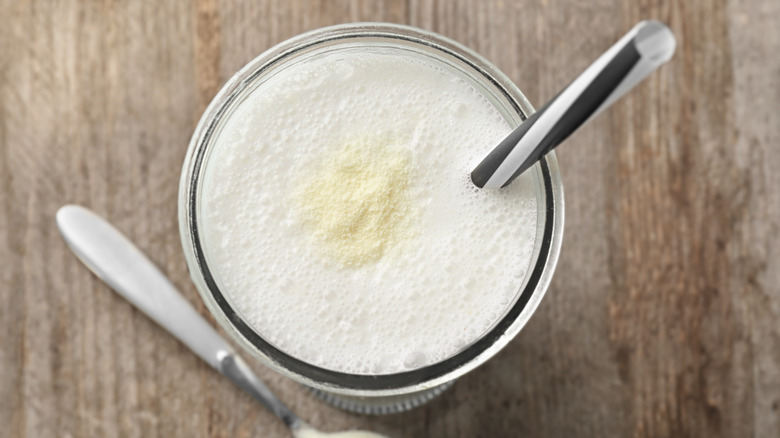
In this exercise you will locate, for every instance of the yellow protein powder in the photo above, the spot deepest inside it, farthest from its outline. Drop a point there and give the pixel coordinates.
(357, 203)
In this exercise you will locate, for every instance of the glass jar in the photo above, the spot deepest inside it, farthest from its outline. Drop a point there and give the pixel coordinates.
(383, 393)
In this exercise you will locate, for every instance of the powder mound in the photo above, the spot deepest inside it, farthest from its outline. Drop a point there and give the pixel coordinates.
(357, 203)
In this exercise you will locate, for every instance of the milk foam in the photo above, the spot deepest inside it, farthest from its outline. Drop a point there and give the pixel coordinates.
(421, 301)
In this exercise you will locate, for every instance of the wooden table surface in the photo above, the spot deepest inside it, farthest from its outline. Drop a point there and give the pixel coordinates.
(664, 315)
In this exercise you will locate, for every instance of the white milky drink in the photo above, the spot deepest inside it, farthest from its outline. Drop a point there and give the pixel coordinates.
(339, 220)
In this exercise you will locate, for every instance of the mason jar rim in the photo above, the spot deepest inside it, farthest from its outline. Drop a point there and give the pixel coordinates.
(538, 275)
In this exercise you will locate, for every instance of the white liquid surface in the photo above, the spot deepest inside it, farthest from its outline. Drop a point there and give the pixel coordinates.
(463, 253)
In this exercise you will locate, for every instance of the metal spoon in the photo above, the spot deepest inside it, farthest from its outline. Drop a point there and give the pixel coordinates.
(641, 51)
(119, 263)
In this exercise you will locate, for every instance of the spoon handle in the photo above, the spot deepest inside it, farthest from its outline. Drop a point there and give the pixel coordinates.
(121, 265)
(640, 52)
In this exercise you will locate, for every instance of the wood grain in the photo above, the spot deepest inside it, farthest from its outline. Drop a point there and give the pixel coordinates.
(662, 320)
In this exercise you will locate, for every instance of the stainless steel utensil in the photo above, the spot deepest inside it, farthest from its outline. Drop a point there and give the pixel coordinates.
(119, 263)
